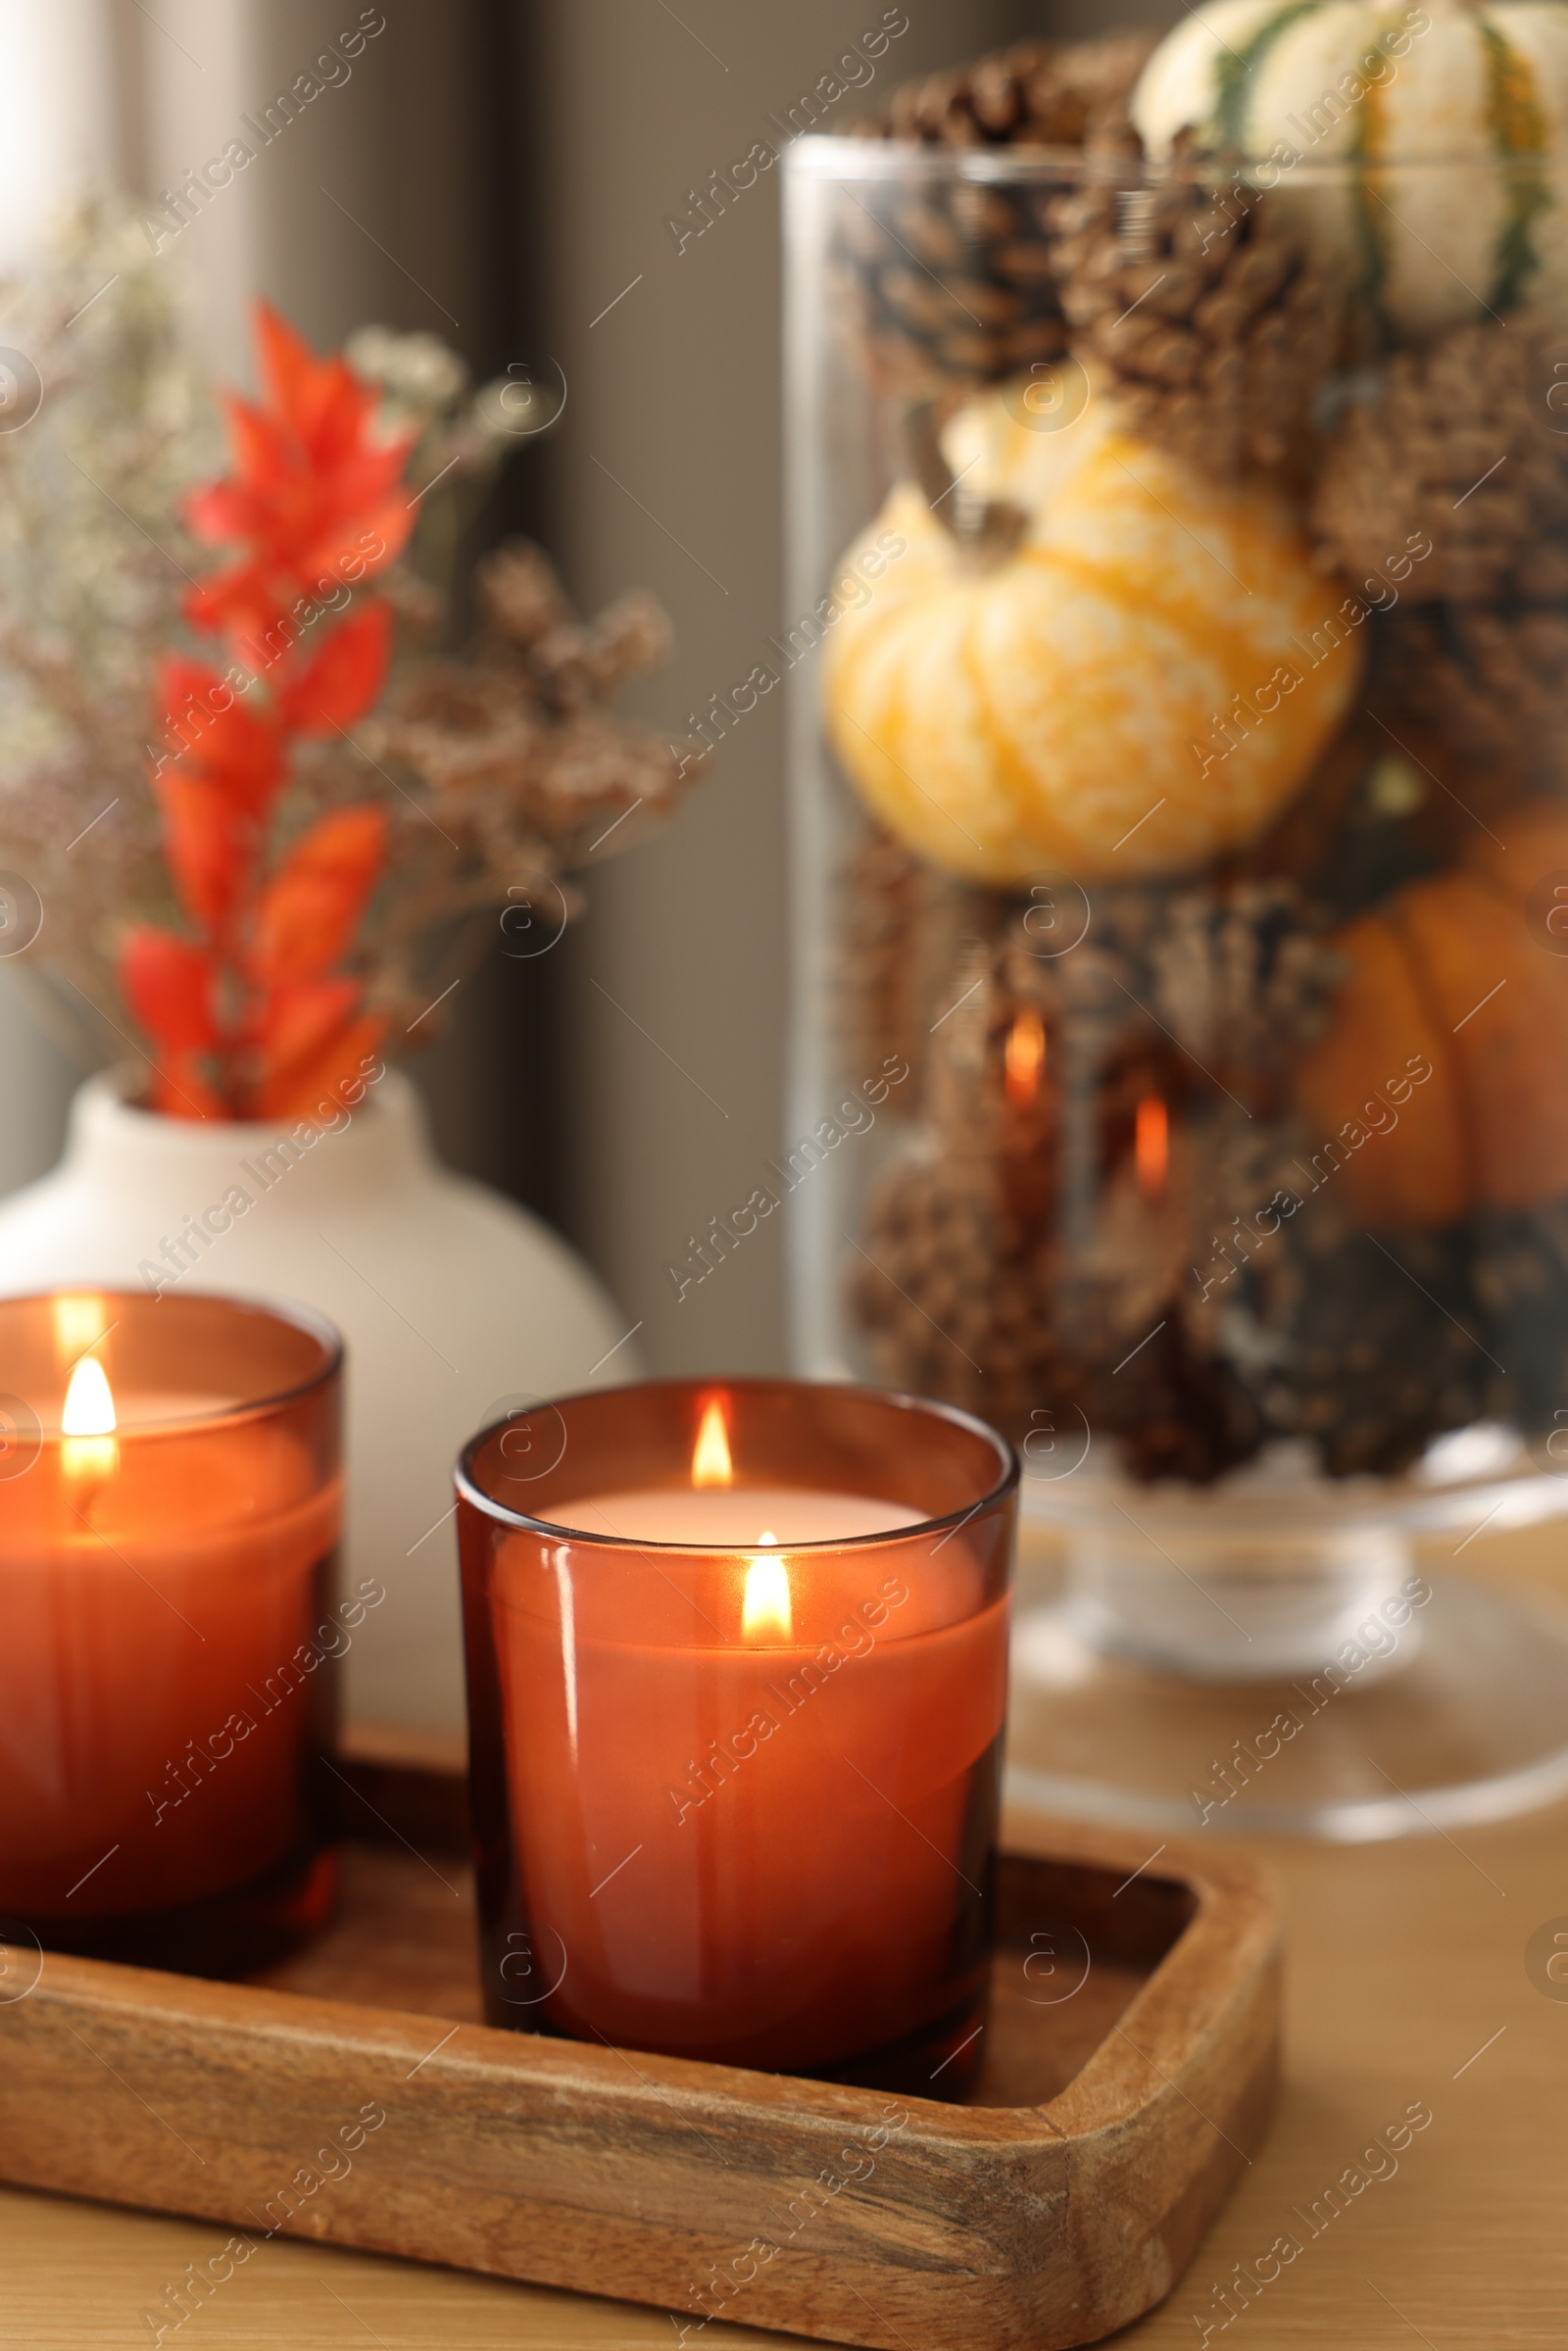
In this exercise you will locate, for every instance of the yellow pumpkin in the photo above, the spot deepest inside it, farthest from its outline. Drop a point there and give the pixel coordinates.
(1137, 686)
(1453, 979)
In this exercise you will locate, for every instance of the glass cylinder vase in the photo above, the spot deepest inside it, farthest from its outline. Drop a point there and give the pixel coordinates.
(1177, 667)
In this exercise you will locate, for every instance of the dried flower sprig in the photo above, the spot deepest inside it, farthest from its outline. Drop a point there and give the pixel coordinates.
(334, 852)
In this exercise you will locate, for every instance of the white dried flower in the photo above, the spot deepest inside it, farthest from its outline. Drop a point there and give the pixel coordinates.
(412, 371)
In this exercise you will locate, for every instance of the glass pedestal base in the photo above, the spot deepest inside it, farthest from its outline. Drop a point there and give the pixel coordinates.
(1468, 1725)
(1267, 1656)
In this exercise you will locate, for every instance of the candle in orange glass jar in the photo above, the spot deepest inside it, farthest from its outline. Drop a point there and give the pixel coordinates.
(169, 1513)
(737, 1681)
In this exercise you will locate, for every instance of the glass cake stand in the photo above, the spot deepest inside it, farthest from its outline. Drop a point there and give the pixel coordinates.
(1270, 1657)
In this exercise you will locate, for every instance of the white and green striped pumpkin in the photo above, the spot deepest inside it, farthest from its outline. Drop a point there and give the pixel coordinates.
(1447, 123)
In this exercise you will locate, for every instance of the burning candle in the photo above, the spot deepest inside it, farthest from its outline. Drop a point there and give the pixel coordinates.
(1024, 1056)
(1151, 1145)
(169, 1511)
(737, 1678)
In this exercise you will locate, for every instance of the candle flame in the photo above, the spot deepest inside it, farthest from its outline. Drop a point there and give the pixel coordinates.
(80, 1321)
(1151, 1145)
(89, 1402)
(766, 1607)
(710, 1462)
(89, 1453)
(1024, 1056)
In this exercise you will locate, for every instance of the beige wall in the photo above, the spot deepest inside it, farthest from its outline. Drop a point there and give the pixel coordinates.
(1081, 20)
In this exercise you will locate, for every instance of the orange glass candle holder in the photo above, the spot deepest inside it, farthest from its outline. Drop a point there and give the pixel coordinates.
(170, 1502)
(737, 1678)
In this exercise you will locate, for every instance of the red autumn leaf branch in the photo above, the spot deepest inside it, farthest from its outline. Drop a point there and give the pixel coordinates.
(250, 1014)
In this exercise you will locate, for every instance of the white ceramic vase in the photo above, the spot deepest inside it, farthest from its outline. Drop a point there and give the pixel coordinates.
(454, 1302)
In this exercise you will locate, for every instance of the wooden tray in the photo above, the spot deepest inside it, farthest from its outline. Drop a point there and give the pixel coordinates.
(1131, 2062)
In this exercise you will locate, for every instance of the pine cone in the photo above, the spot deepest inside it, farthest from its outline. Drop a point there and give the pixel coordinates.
(955, 285)
(1382, 1358)
(1232, 975)
(1199, 311)
(1521, 1281)
(1179, 1413)
(926, 1246)
(1464, 453)
(1242, 976)
(901, 924)
(1035, 94)
(949, 1311)
(1479, 694)
(945, 1285)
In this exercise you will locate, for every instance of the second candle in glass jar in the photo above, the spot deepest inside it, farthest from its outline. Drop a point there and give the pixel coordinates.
(737, 1696)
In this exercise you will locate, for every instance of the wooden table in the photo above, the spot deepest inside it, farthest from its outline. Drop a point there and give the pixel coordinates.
(1407, 1983)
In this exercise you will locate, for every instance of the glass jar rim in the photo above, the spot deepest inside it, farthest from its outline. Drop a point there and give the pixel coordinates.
(844, 159)
(471, 1490)
(303, 1319)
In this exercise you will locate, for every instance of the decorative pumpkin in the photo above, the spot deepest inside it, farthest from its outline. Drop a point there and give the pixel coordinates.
(1137, 685)
(1451, 976)
(1453, 111)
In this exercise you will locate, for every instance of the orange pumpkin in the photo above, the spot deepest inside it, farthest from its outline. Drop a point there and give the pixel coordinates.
(1452, 974)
